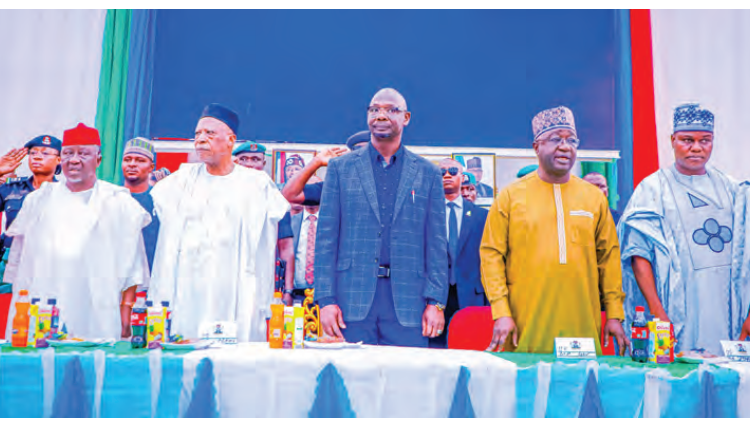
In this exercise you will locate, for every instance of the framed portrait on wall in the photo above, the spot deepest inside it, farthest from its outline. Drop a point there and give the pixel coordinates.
(482, 166)
(287, 163)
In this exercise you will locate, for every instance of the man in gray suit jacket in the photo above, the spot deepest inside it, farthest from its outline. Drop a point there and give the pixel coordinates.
(381, 266)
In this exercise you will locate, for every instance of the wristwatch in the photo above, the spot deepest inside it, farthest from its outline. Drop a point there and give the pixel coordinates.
(288, 291)
(440, 307)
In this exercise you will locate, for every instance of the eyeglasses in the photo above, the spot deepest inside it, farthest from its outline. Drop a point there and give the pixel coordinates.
(452, 170)
(572, 141)
(390, 111)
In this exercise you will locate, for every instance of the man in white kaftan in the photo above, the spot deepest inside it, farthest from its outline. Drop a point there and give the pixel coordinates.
(679, 240)
(80, 242)
(215, 256)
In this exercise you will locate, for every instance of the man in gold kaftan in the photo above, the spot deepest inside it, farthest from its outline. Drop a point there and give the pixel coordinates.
(550, 254)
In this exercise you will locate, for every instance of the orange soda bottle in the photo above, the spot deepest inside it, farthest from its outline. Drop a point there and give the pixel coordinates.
(276, 325)
(20, 337)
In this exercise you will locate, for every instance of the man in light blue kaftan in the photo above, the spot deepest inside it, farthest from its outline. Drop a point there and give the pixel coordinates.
(681, 238)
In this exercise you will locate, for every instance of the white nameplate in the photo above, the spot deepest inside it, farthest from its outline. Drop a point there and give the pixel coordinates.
(575, 348)
(736, 351)
(220, 331)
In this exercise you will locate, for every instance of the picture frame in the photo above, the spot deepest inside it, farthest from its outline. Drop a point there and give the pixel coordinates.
(482, 165)
(286, 163)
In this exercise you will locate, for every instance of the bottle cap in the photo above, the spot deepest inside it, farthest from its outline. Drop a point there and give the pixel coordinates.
(165, 303)
(277, 295)
(52, 302)
(35, 300)
(149, 303)
(640, 309)
(140, 294)
(23, 293)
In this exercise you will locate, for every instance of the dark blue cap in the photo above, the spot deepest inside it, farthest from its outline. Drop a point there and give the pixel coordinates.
(223, 114)
(358, 138)
(45, 141)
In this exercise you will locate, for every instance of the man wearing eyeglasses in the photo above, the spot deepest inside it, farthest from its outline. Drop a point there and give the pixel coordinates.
(381, 257)
(80, 242)
(682, 240)
(465, 224)
(550, 251)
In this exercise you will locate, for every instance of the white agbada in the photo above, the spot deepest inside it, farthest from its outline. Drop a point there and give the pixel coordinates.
(215, 255)
(83, 249)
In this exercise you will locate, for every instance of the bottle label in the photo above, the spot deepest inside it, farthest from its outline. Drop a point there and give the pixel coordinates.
(640, 333)
(137, 318)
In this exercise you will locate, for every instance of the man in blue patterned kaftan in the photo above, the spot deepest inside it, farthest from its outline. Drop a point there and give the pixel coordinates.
(678, 235)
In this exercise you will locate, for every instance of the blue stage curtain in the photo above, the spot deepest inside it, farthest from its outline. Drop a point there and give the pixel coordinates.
(140, 74)
(624, 107)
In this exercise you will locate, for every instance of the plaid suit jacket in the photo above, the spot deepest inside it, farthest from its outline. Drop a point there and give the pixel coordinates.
(348, 240)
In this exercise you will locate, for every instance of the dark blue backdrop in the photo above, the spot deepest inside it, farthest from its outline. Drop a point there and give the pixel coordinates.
(471, 78)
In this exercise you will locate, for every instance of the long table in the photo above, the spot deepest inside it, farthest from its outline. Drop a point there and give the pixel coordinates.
(251, 380)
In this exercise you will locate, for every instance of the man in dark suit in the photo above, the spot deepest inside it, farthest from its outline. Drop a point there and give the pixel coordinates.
(304, 229)
(381, 268)
(465, 223)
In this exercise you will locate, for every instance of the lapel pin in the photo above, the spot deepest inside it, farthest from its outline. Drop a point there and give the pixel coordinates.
(468, 213)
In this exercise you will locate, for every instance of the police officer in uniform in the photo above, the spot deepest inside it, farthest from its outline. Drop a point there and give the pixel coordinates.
(44, 163)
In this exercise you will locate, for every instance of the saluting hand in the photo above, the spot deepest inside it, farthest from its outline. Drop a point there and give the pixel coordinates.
(504, 327)
(332, 320)
(10, 161)
(328, 154)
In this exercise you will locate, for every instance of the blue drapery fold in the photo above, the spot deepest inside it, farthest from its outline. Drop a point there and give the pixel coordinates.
(203, 403)
(591, 405)
(461, 406)
(140, 74)
(624, 106)
(331, 396)
(71, 400)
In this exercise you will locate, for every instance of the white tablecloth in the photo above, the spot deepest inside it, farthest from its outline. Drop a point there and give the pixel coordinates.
(253, 380)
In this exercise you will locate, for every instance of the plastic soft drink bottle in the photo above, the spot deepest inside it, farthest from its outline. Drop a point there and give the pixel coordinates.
(54, 317)
(138, 322)
(20, 337)
(639, 335)
(276, 325)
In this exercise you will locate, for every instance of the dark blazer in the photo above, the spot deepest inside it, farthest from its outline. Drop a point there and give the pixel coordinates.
(348, 240)
(469, 277)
